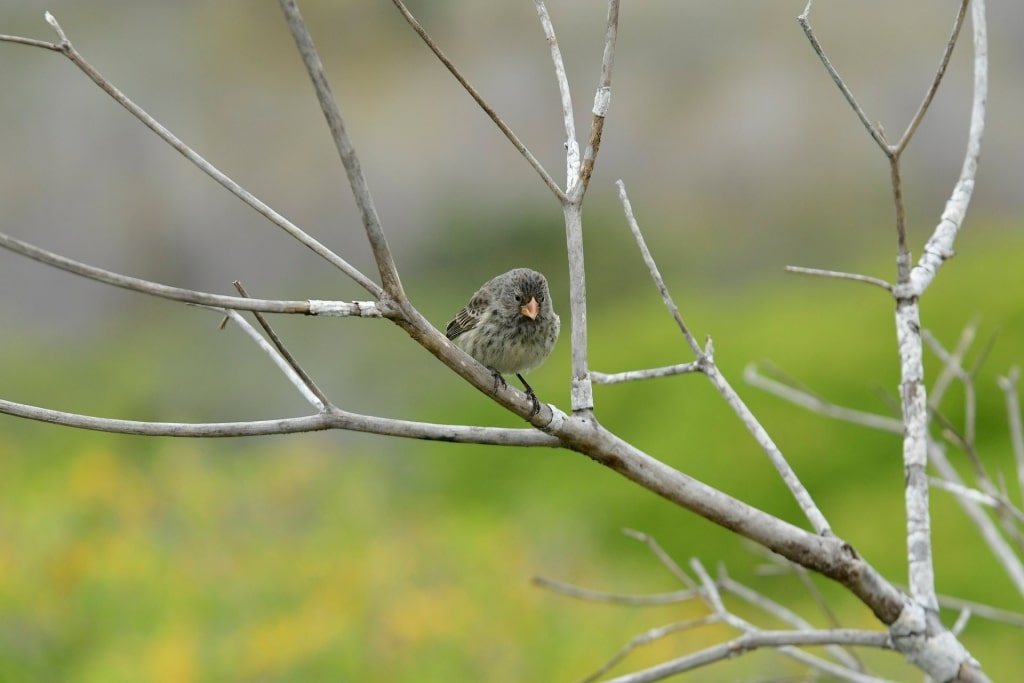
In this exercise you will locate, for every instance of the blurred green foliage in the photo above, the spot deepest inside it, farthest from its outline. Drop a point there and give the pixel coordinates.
(338, 557)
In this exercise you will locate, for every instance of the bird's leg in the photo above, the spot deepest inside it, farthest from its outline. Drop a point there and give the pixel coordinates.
(499, 380)
(533, 396)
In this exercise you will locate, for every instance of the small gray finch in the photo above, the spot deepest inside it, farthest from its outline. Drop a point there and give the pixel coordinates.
(509, 326)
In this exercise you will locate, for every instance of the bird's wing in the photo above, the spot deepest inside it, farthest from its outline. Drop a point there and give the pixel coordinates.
(468, 317)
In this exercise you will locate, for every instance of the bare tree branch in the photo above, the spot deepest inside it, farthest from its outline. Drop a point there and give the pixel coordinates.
(67, 49)
(1005, 555)
(663, 557)
(1009, 386)
(602, 101)
(581, 389)
(652, 268)
(579, 593)
(284, 362)
(857, 277)
(332, 418)
(478, 98)
(646, 638)
(911, 284)
(873, 129)
(286, 355)
(706, 363)
(343, 142)
(650, 373)
(819, 405)
(940, 246)
(914, 627)
(774, 639)
(365, 309)
(572, 145)
(898, 148)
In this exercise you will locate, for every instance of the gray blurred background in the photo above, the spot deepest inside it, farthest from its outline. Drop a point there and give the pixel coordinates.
(739, 153)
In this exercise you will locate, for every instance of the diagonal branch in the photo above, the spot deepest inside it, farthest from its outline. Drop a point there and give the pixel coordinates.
(705, 359)
(478, 98)
(67, 49)
(343, 142)
(939, 247)
(284, 362)
(874, 129)
(934, 87)
(602, 99)
(306, 382)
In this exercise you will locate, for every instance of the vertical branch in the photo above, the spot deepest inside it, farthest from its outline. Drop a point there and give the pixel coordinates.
(602, 101)
(903, 255)
(353, 169)
(572, 146)
(914, 402)
(940, 245)
(581, 386)
(908, 333)
(911, 284)
(1009, 386)
(582, 392)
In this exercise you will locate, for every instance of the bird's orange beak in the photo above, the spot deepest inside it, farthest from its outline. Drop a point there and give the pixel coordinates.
(530, 309)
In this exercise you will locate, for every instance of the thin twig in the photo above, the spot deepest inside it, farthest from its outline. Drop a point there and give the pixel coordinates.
(154, 288)
(949, 369)
(873, 129)
(652, 268)
(857, 277)
(602, 101)
(646, 638)
(846, 658)
(706, 362)
(650, 373)
(478, 98)
(961, 622)
(819, 405)
(569, 590)
(283, 363)
(68, 50)
(307, 381)
(984, 611)
(1009, 386)
(939, 247)
(782, 641)
(980, 497)
(346, 150)
(989, 533)
(953, 363)
(663, 557)
(572, 145)
(31, 42)
(933, 88)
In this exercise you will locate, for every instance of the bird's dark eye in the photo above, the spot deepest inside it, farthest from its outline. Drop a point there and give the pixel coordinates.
(519, 297)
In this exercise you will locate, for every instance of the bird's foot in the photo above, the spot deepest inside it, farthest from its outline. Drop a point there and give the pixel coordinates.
(532, 396)
(499, 380)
